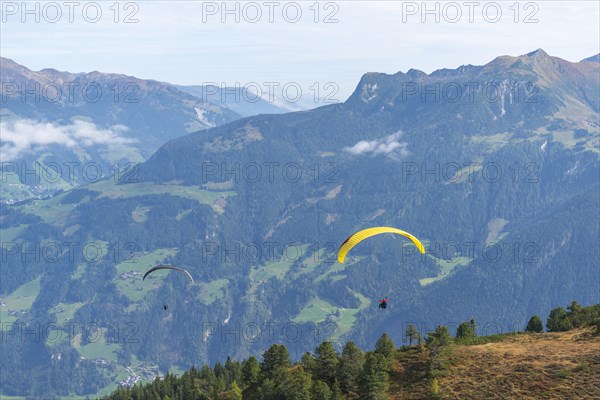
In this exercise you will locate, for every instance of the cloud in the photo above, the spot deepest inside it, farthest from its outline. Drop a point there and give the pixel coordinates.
(27, 135)
(389, 145)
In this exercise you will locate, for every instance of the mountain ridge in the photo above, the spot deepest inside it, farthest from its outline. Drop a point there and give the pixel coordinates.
(520, 177)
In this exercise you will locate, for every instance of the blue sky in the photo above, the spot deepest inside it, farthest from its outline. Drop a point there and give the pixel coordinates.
(187, 42)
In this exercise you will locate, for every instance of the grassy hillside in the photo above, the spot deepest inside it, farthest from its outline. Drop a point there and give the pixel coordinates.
(553, 365)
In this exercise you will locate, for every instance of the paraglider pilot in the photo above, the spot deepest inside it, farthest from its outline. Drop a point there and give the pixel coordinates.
(165, 306)
(383, 303)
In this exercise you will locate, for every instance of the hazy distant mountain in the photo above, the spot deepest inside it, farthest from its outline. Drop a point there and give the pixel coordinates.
(595, 58)
(495, 168)
(247, 103)
(53, 117)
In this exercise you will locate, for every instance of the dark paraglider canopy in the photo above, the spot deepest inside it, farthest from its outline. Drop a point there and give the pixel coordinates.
(168, 267)
(165, 306)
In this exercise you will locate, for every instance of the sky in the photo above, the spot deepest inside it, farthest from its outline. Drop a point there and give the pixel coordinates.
(318, 48)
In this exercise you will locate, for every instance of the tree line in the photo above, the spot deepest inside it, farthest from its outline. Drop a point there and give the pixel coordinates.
(326, 374)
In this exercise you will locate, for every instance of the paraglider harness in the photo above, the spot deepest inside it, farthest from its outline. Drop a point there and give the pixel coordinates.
(383, 303)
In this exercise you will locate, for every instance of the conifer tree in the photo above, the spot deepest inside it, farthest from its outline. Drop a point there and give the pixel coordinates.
(535, 325)
(296, 385)
(320, 391)
(385, 347)
(374, 382)
(235, 392)
(411, 333)
(274, 359)
(326, 363)
(465, 330)
(250, 371)
(308, 363)
(351, 364)
(558, 320)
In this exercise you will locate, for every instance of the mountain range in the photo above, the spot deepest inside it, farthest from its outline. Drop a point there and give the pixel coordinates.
(97, 124)
(495, 168)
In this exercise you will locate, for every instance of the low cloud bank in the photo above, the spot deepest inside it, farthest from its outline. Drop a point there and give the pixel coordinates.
(19, 137)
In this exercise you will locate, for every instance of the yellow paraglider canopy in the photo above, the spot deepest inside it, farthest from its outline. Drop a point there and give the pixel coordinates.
(359, 236)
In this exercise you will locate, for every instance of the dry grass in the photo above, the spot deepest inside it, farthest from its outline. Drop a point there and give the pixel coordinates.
(527, 366)
(533, 366)
(410, 376)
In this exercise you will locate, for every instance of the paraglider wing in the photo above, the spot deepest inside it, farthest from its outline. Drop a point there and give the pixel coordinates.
(359, 236)
(168, 267)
